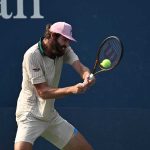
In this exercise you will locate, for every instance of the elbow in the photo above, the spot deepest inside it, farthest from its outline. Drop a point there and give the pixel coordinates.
(43, 91)
(42, 94)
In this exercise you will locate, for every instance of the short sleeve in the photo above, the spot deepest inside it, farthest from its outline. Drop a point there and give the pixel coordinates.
(33, 65)
(70, 56)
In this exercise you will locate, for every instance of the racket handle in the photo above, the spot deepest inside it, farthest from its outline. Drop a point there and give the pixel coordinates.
(91, 77)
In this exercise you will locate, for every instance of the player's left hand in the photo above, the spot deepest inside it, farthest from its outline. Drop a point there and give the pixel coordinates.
(88, 82)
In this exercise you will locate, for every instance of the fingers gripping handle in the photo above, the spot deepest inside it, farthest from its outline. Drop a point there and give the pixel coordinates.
(91, 77)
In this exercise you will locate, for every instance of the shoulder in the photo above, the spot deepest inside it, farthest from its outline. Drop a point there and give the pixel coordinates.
(68, 49)
(32, 52)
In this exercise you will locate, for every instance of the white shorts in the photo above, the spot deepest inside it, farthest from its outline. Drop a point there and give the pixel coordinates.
(57, 131)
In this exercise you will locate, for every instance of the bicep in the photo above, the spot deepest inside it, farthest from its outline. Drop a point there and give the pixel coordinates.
(33, 69)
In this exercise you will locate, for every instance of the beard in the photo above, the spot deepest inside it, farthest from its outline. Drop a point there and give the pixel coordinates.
(58, 50)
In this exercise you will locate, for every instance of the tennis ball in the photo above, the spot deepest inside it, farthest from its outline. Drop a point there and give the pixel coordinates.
(106, 63)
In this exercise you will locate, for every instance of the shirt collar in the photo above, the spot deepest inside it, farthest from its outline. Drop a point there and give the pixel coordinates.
(41, 49)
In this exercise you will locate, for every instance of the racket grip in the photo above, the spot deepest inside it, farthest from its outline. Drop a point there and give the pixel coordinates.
(91, 77)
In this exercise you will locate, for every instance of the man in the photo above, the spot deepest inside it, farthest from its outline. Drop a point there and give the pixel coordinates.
(35, 113)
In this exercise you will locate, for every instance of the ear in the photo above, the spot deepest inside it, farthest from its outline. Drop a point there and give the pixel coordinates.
(53, 36)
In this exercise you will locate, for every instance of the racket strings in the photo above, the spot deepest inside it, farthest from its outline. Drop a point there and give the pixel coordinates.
(111, 50)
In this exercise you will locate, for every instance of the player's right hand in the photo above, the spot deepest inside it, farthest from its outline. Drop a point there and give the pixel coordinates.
(79, 88)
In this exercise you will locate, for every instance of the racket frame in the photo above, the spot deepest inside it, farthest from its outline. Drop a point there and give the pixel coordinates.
(97, 62)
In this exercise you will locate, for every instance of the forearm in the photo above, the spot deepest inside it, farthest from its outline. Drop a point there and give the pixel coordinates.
(81, 69)
(52, 93)
(85, 72)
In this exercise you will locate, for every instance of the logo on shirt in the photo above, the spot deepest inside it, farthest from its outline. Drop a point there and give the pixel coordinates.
(36, 69)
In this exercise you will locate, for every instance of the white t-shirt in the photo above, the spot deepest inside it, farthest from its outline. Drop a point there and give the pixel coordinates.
(38, 68)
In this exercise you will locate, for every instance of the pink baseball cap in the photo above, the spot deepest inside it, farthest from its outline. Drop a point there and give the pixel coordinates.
(62, 28)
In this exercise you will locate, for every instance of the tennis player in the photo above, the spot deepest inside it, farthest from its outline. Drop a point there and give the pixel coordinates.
(35, 114)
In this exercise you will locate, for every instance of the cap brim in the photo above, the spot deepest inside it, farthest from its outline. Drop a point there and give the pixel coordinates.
(70, 38)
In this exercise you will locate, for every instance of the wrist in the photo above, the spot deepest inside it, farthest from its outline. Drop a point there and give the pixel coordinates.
(86, 75)
(69, 90)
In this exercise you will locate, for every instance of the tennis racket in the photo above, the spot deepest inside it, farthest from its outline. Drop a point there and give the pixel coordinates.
(108, 55)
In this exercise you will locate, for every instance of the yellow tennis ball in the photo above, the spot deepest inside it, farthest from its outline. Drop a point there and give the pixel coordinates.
(106, 63)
